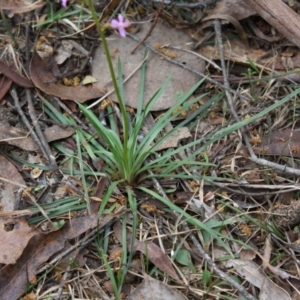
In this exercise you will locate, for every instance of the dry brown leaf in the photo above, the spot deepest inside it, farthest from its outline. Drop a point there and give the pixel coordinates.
(235, 51)
(252, 176)
(5, 84)
(57, 132)
(247, 254)
(19, 7)
(172, 140)
(19, 137)
(284, 142)
(44, 80)
(16, 213)
(268, 291)
(14, 236)
(9, 189)
(17, 78)
(152, 289)
(63, 52)
(158, 69)
(253, 273)
(218, 120)
(14, 278)
(240, 30)
(238, 9)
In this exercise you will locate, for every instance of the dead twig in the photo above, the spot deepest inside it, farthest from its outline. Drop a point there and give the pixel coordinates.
(62, 283)
(39, 137)
(43, 142)
(200, 3)
(217, 25)
(253, 157)
(14, 95)
(151, 28)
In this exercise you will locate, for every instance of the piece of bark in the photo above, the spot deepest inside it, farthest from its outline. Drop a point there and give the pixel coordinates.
(280, 16)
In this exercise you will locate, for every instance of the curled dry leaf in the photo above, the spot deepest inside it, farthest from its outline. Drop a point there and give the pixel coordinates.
(241, 32)
(236, 52)
(63, 52)
(44, 80)
(36, 173)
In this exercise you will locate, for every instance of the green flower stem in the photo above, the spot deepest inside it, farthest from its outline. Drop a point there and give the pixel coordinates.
(100, 30)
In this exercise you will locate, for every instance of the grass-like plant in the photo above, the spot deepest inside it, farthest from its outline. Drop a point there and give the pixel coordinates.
(125, 161)
(126, 158)
(129, 159)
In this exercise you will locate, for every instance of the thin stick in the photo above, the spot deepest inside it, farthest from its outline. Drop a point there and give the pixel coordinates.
(14, 95)
(43, 144)
(253, 157)
(62, 283)
(151, 29)
(199, 4)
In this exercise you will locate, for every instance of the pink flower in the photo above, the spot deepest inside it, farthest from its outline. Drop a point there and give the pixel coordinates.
(64, 3)
(120, 24)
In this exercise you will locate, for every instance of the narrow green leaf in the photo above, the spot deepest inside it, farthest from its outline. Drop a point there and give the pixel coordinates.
(206, 277)
(183, 256)
(188, 218)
